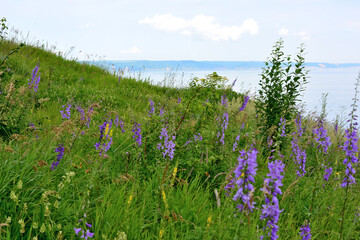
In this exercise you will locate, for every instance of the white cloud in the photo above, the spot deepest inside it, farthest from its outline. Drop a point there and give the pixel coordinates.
(133, 50)
(284, 31)
(304, 35)
(204, 26)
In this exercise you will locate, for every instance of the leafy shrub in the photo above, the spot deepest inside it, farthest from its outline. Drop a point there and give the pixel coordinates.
(280, 86)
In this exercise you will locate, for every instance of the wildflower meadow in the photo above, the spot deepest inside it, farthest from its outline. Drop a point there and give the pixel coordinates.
(88, 154)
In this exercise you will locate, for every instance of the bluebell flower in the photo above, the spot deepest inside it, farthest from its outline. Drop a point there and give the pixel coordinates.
(245, 172)
(270, 210)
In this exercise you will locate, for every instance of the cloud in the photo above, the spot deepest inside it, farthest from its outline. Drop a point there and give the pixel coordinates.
(133, 50)
(284, 31)
(304, 35)
(201, 25)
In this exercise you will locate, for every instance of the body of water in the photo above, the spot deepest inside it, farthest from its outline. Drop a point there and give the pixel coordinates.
(336, 81)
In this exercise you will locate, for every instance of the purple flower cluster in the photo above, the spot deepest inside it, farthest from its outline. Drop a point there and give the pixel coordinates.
(152, 108)
(137, 133)
(299, 156)
(246, 99)
(322, 138)
(282, 124)
(85, 234)
(328, 171)
(34, 81)
(270, 210)
(67, 113)
(197, 137)
(119, 122)
(233, 84)
(168, 146)
(305, 232)
(299, 127)
(224, 100)
(84, 116)
(224, 125)
(105, 139)
(60, 150)
(237, 139)
(244, 177)
(351, 149)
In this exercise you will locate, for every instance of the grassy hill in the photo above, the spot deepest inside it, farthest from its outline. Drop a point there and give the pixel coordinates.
(86, 154)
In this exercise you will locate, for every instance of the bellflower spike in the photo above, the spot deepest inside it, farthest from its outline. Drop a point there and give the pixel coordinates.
(351, 151)
(305, 232)
(246, 99)
(270, 210)
(60, 150)
(137, 133)
(244, 178)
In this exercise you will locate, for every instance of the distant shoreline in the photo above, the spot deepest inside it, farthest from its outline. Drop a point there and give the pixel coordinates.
(188, 65)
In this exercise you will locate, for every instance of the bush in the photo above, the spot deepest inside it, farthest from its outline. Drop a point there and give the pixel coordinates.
(280, 85)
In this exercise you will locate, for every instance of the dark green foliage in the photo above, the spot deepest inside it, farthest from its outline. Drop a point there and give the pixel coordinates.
(280, 86)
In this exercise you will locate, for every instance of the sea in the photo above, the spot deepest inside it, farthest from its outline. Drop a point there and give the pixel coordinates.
(329, 84)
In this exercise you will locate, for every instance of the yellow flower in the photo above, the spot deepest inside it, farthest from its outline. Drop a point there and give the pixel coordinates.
(164, 198)
(130, 200)
(111, 133)
(107, 129)
(161, 233)
(208, 221)
(175, 171)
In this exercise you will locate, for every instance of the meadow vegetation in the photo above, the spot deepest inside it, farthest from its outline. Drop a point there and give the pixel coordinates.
(88, 154)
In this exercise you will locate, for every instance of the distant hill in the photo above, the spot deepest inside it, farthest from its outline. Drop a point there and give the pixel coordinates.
(203, 65)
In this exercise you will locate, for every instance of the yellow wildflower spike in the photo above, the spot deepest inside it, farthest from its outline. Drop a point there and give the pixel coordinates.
(174, 172)
(208, 221)
(111, 133)
(130, 199)
(161, 233)
(107, 129)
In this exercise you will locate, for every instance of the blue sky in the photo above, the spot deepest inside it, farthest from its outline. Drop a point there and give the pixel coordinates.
(222, 30)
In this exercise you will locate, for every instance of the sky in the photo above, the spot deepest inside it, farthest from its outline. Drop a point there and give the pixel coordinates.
(203, 30)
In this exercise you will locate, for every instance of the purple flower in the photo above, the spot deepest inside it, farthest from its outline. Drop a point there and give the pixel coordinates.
(105, 139)
(305, 232)
(168, 145)
(243, 179)
(197, 137)
(236, 143)
(77, 230)
(233, 84)
(137, 133)
(34, 81)
(224, 100)
(152, 108)
(179, 101)
(87, 235)
(119, 122)
(67, 113)
(85, 117)
(60, 150)
(328, 172)
(299, 156)
(272, 184)
(322, 138)
(224, 125)
(282, 124)
(299, 127)
(350, 148)
(246, 99)
(161, 111)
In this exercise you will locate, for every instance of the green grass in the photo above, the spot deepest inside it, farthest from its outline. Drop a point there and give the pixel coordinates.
(132, 190)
